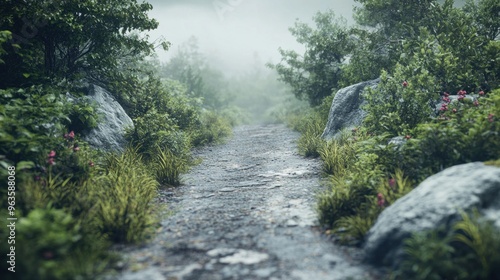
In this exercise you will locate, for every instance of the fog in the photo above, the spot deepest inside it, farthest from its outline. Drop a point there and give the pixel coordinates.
(234, 33)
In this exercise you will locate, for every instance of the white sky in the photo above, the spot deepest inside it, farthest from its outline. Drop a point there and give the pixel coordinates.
(233, 32)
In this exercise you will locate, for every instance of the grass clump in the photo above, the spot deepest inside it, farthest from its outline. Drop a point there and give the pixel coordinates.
(123, 196)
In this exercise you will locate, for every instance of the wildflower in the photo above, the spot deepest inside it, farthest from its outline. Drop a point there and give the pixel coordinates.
(405, 83)
(52, 154)
(392, 182)
(481, 92)
(51, 161)
(444, 107)
(446, 94)
(91, 164)
(71, 135)
(446, 99)
(407, 137)
(491, 117)
(380, 200)
(76, 148)
(476, 103)
(461, 94)
(455, 110)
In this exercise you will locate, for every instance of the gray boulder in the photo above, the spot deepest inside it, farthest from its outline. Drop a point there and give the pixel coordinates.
(109, 134)
(346, 111)
(434, 203)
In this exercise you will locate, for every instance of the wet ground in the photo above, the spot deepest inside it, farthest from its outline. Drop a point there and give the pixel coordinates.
(246, 212)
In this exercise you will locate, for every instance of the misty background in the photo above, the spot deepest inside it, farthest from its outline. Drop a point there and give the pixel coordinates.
(236, 33)
(227, 43)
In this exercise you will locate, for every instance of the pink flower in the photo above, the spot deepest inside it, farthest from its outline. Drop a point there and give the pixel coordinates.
(52, 154)
(51, 161)
(76, 148)
(444, 107)
(91, 164)
(71, 135)
(405, 83)
(454, 110)
(476, 103)
(446, 99)
(446, 94)
(407, 137)
(392, 182)
(491, 117)
(380, 200)
(481, 92)
(461, 94)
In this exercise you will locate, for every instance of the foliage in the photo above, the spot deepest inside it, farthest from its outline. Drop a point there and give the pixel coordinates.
(310, 141)
(50, 113)
(5, 36)
(470, 251)
(168, 167)
(315, 74)
(189, 66)
(400, 102)
(52, 243)
(122, 197)
(212, 129)
(72, 38)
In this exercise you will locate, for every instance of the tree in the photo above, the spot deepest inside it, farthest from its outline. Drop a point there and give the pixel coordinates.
(190, 67)
(313, 75)
(486, 15)
(71, 39)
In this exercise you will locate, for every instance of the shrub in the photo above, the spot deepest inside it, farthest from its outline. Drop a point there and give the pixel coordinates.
(52, 245)
(212, 129)
(400, 102)
(49, 112)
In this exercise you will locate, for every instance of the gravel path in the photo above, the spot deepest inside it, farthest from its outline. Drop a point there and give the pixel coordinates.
(246, 212)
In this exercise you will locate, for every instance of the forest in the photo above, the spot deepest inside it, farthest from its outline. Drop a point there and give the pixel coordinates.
(72, 202)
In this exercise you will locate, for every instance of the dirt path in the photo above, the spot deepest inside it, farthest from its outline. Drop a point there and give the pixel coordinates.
(246, 212)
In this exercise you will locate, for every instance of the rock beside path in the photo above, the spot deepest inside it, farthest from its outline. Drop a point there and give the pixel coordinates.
(109, 134)
(346, 111)
(434, 203)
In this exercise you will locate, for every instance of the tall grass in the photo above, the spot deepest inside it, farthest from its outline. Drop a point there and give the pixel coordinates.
(168, 167)
(123, 197)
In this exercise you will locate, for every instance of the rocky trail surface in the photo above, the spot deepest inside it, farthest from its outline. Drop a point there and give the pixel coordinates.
(245, 212)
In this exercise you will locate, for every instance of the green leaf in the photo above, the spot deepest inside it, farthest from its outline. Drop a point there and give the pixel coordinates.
(25, 165)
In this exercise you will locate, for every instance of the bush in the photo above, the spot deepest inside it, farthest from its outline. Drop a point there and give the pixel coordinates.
(212, 129)
(49, 112)
(52, 245)
(400, 102)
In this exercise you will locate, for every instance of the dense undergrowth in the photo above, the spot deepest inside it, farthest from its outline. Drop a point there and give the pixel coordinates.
(438, 101)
